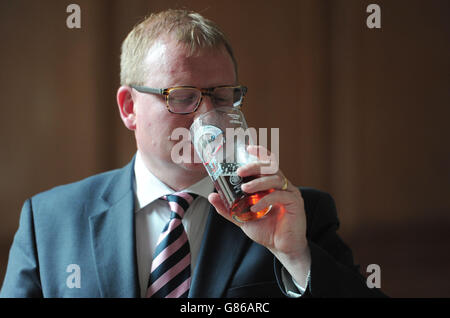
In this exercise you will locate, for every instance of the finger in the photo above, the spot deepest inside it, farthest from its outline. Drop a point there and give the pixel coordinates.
(216, 201)
(274, 198)
(264, 183)
(268, 159)
(250, 169)
(259, 151)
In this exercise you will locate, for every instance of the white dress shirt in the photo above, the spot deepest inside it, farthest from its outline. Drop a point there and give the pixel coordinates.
(152, 215)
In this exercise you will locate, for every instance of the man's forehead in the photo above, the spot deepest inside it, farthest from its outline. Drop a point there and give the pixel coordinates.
(170, 48)
(169, 56)
(156, 52)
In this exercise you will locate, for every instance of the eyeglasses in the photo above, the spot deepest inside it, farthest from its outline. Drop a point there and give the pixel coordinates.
(186, 99)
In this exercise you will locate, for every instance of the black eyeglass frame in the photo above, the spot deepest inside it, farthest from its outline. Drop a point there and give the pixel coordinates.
(204, 91)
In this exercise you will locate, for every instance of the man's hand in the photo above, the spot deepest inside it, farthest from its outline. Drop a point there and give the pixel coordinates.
(283, 229)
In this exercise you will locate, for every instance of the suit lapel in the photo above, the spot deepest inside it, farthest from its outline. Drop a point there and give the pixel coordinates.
(222, 248)
(112, 231)
(113, 237)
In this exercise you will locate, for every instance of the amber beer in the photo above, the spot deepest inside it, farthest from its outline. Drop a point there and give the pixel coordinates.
(228, 185)
(240, 208)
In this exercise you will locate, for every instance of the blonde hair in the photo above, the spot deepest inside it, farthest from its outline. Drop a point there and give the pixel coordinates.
(189, 28)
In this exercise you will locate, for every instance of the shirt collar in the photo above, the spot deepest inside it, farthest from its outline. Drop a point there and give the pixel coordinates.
(149, 188)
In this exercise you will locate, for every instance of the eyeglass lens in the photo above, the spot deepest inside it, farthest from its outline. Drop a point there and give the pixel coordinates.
(186, 99)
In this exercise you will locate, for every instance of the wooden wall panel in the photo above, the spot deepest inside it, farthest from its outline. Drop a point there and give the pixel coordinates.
(362, 113)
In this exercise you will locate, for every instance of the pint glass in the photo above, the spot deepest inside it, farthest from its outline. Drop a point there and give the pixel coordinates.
(220, 138)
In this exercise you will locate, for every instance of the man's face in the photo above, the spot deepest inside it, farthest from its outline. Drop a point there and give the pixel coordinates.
(168, 65)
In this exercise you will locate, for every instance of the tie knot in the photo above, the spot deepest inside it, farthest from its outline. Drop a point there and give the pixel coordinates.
(179, 203)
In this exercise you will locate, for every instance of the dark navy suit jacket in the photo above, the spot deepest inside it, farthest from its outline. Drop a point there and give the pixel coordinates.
(91, 224)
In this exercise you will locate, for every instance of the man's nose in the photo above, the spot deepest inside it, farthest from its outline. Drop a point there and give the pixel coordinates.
(206, 105)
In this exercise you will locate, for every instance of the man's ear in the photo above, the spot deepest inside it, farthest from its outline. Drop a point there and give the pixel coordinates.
(126, 107)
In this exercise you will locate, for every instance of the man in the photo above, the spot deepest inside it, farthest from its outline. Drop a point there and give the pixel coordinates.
(100, 237)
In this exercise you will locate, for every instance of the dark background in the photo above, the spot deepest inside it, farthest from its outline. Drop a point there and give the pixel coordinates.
(363, 113)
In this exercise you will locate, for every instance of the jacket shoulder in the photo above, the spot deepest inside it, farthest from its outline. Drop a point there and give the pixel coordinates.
(93, 187)
(89, 184)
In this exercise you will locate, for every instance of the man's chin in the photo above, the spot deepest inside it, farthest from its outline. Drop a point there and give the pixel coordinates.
(194, 167)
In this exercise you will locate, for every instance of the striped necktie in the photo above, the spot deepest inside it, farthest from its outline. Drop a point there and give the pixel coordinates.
(170, 274)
